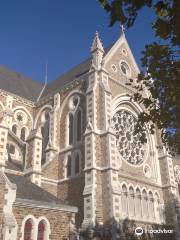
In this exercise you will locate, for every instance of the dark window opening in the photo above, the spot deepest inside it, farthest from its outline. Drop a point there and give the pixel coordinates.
(14, 129)
(23, 134)
(70, 128)
(28, 230)
(79, 122)
(69, 166)
(77, 165)
(41, 231)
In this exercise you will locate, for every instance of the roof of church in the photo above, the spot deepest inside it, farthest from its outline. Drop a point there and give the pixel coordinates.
(70, 75)
(19, 84)
(12, 165)
(67, 77)
(29, 191)
(25, 87)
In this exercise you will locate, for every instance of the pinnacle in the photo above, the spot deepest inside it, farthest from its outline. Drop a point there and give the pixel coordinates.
(97, 44)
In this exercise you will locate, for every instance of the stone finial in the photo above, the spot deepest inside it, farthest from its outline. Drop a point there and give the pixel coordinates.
(97, 44)
(122, 29)
(97, 51)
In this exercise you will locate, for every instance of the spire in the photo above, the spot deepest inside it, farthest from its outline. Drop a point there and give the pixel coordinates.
(45, 82)
(97, 52)
(97, 44)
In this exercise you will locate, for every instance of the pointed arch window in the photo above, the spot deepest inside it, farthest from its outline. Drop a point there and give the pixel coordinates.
(23, 134)
(45, 127)
(145, 204)
(70, 128)
(14, 129)
(131, 202)
(42, 131)
(124, 201)
(28, 228)
(69, 166)
(41, 230)
(79, 124)
(151, 205)
(77, 163)
(138, 208)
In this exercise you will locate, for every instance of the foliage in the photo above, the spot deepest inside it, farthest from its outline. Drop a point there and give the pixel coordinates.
(162, 61)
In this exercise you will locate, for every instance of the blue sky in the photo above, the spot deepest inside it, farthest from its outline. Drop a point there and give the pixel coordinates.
(60, 32)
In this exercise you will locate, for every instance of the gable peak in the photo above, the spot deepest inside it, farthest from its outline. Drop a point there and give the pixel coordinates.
(122, 30)
(97, 44)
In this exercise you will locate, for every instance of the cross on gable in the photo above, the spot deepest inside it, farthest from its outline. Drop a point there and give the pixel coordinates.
(122, 28)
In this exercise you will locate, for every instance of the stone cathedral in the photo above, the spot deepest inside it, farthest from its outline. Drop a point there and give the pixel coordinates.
(68, 155)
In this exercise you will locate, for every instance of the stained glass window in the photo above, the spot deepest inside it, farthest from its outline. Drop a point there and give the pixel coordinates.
(28, 230)
(41, 231)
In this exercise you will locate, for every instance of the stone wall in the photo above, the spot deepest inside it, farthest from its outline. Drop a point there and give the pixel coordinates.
(59, 221)
(71, 191)
(3, 191)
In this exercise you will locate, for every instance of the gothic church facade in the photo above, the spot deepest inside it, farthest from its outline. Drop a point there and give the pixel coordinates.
(68, 153)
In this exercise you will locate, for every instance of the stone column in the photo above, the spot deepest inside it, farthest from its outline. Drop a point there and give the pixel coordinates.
(5, 124)
(3, 143)
(170, 190)
(90, 153)
(113, 170)
(52, 147)
(9, 224)
(33, 160)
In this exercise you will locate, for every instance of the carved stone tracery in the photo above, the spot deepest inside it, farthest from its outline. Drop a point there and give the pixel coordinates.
(177, 173)
(128, 144)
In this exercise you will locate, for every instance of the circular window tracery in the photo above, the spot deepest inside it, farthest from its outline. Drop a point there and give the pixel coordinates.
(125, 68)
(74, 102)
(21, 117)
(128, 144)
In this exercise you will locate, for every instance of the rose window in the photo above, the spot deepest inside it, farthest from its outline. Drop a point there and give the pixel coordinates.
(128, 144)
(21, 117)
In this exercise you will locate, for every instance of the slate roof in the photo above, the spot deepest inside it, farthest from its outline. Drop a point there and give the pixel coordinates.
(13, 165)
(67, 77)
(19, 84)
(29, 191)
(70, 75)
(27, 88)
